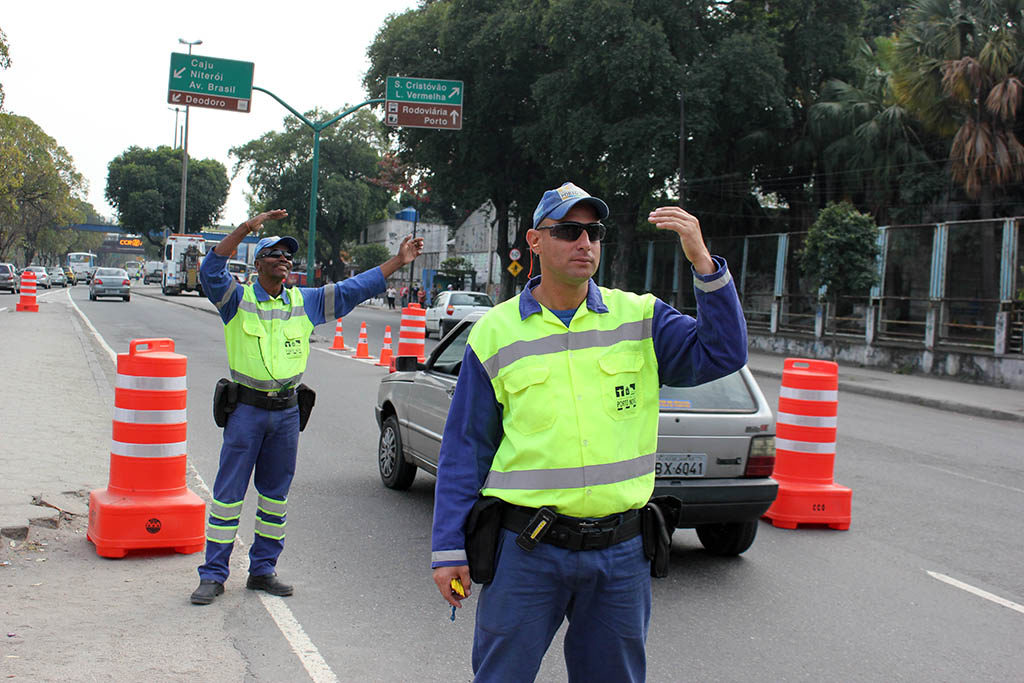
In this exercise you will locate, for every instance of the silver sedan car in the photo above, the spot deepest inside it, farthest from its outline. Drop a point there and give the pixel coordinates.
(716, 442)
(110, 282)
(57, 277)
(42, 278)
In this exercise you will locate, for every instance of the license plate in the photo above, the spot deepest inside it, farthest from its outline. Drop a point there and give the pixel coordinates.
(680, 465)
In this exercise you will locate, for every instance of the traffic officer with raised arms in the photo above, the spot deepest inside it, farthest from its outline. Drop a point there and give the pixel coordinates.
(547, 458)
(264, 406)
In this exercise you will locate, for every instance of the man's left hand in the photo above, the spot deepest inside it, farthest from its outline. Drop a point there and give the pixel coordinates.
(688, 228)
(410, 248)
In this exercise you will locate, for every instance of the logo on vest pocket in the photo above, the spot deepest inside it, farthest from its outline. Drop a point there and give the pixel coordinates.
(625, 396)
(292, 348)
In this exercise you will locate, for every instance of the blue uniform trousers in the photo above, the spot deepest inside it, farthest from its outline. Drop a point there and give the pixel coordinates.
(605, 594)
(268, 441)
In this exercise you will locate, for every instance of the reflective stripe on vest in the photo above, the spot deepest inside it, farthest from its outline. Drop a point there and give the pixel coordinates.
(221, 534)
(594, 455)
(225, 511)
(269, 529)
(271, 506)
(268, 343)
(227, 295)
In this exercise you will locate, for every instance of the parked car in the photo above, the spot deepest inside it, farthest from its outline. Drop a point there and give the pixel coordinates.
(110, 282)
(9, 278)
(57, 277)
(153, 271)
(42, 279)
(69, 275)
(452, 306)
(716, 442)
(239, 270)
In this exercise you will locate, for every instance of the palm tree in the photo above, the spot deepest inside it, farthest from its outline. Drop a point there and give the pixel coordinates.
(958, 66)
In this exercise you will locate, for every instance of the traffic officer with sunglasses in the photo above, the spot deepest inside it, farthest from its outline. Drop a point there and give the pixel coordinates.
(555, 415)
(266, 329)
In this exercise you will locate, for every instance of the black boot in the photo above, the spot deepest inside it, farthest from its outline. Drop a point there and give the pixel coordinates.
(207, 592)
(269, 583)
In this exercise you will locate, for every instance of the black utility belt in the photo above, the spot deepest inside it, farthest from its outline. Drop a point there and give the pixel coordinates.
(542, 525)
(284, 398)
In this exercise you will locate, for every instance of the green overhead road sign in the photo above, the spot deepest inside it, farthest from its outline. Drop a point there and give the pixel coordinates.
(210, 82)
(424, 90)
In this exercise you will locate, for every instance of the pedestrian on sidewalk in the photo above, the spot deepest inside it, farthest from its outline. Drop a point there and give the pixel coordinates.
(391, 298)
(559, 439)
(266, 330)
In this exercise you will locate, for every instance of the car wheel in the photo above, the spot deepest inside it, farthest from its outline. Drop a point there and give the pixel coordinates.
(729, 538)
(444, 328)
(127, 298)
(395, 472)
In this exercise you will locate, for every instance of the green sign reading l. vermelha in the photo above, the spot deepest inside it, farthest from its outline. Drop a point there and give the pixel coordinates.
(425, 90)
(210, 82)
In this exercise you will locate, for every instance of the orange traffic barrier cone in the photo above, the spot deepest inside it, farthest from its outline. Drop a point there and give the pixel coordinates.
(147, 503)
(27, 302)
(805, 448)
(339, 338)
(412, 333)
(385, 352)
(363, 347)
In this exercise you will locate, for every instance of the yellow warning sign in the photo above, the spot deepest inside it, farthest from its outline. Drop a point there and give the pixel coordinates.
(514, 268)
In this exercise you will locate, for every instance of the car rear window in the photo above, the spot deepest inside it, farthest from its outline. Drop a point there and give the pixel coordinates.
(4, 268)
(470, 300)
(112, 272)
(727, 394)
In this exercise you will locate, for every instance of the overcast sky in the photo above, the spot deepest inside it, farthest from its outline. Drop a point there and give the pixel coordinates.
(94, 75)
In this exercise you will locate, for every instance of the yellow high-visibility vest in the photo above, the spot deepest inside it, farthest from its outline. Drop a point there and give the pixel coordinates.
(268, 342)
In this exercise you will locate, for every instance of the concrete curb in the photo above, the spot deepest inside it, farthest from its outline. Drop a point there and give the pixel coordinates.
(950, 406)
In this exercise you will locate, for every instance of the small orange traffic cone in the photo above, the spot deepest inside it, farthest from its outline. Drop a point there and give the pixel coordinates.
(385, 353)
(339, 337)
(363, 347)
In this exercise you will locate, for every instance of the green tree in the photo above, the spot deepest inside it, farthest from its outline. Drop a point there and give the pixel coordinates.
(39, 187)
(366, 256)
(278, 165)
(144, 185)
(839, 253)
(5, 62)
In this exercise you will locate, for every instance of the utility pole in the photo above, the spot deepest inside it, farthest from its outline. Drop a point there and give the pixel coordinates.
(184, 152)
(679, 260)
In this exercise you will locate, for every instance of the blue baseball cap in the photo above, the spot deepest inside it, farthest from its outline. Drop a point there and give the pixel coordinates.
(289, 243)
(557, 202)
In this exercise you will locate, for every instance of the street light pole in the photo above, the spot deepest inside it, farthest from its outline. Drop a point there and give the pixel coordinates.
(176, 110)
(184, 153)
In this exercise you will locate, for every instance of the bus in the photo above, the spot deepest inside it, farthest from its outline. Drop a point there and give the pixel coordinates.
(82, 264)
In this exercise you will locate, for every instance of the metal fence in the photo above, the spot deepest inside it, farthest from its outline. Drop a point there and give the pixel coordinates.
(946, 285)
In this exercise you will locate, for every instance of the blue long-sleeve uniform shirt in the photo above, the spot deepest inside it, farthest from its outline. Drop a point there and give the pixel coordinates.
(689, 351)
(338, 299)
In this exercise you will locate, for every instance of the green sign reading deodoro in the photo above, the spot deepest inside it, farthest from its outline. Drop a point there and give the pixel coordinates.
(425, 90)
(210, 76)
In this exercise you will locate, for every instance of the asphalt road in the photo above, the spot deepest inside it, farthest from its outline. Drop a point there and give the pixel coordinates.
(932, 492)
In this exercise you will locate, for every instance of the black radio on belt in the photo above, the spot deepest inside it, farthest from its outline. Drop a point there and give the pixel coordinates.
(540, 524)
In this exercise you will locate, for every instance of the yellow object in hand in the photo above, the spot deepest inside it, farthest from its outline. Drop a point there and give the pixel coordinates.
(457, 587)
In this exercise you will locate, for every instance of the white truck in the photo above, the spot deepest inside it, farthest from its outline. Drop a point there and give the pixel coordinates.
(182, 256)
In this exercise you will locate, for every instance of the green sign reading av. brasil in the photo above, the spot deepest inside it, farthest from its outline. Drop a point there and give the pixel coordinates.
(210, 82)
(425, 90)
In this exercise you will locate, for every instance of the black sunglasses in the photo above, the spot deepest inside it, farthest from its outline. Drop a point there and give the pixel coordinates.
(276, 253)
(571, 230)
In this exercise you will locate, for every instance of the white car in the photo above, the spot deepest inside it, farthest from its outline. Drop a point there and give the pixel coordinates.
(42, 279)
(450, 307)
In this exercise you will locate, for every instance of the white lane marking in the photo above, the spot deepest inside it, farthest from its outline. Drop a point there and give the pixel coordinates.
(976, 591)
(365, 361)
(967, 476)
(289, 626)
(95, 333)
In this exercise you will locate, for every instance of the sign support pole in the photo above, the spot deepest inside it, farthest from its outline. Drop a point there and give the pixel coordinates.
(316, 127)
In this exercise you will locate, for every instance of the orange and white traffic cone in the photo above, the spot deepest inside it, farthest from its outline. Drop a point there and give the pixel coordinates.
(339, 338)
(363, 347)
(385, 353)
(28, 293)
(412, 333)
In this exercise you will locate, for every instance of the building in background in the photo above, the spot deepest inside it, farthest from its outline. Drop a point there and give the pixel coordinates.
(390, 233)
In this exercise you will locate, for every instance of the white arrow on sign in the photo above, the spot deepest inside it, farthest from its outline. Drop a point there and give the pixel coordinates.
(454, 92)
(455, 117)
(176, 97)
(177, 74)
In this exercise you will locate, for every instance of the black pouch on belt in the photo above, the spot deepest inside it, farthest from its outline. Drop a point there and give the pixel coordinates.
(225, 398)
(307, 397)
(482, 531)
(658, 520)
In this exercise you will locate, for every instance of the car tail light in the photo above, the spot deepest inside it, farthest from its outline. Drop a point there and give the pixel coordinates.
(761, 459)
(450, 310)
(97, 281)
(126, 282)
